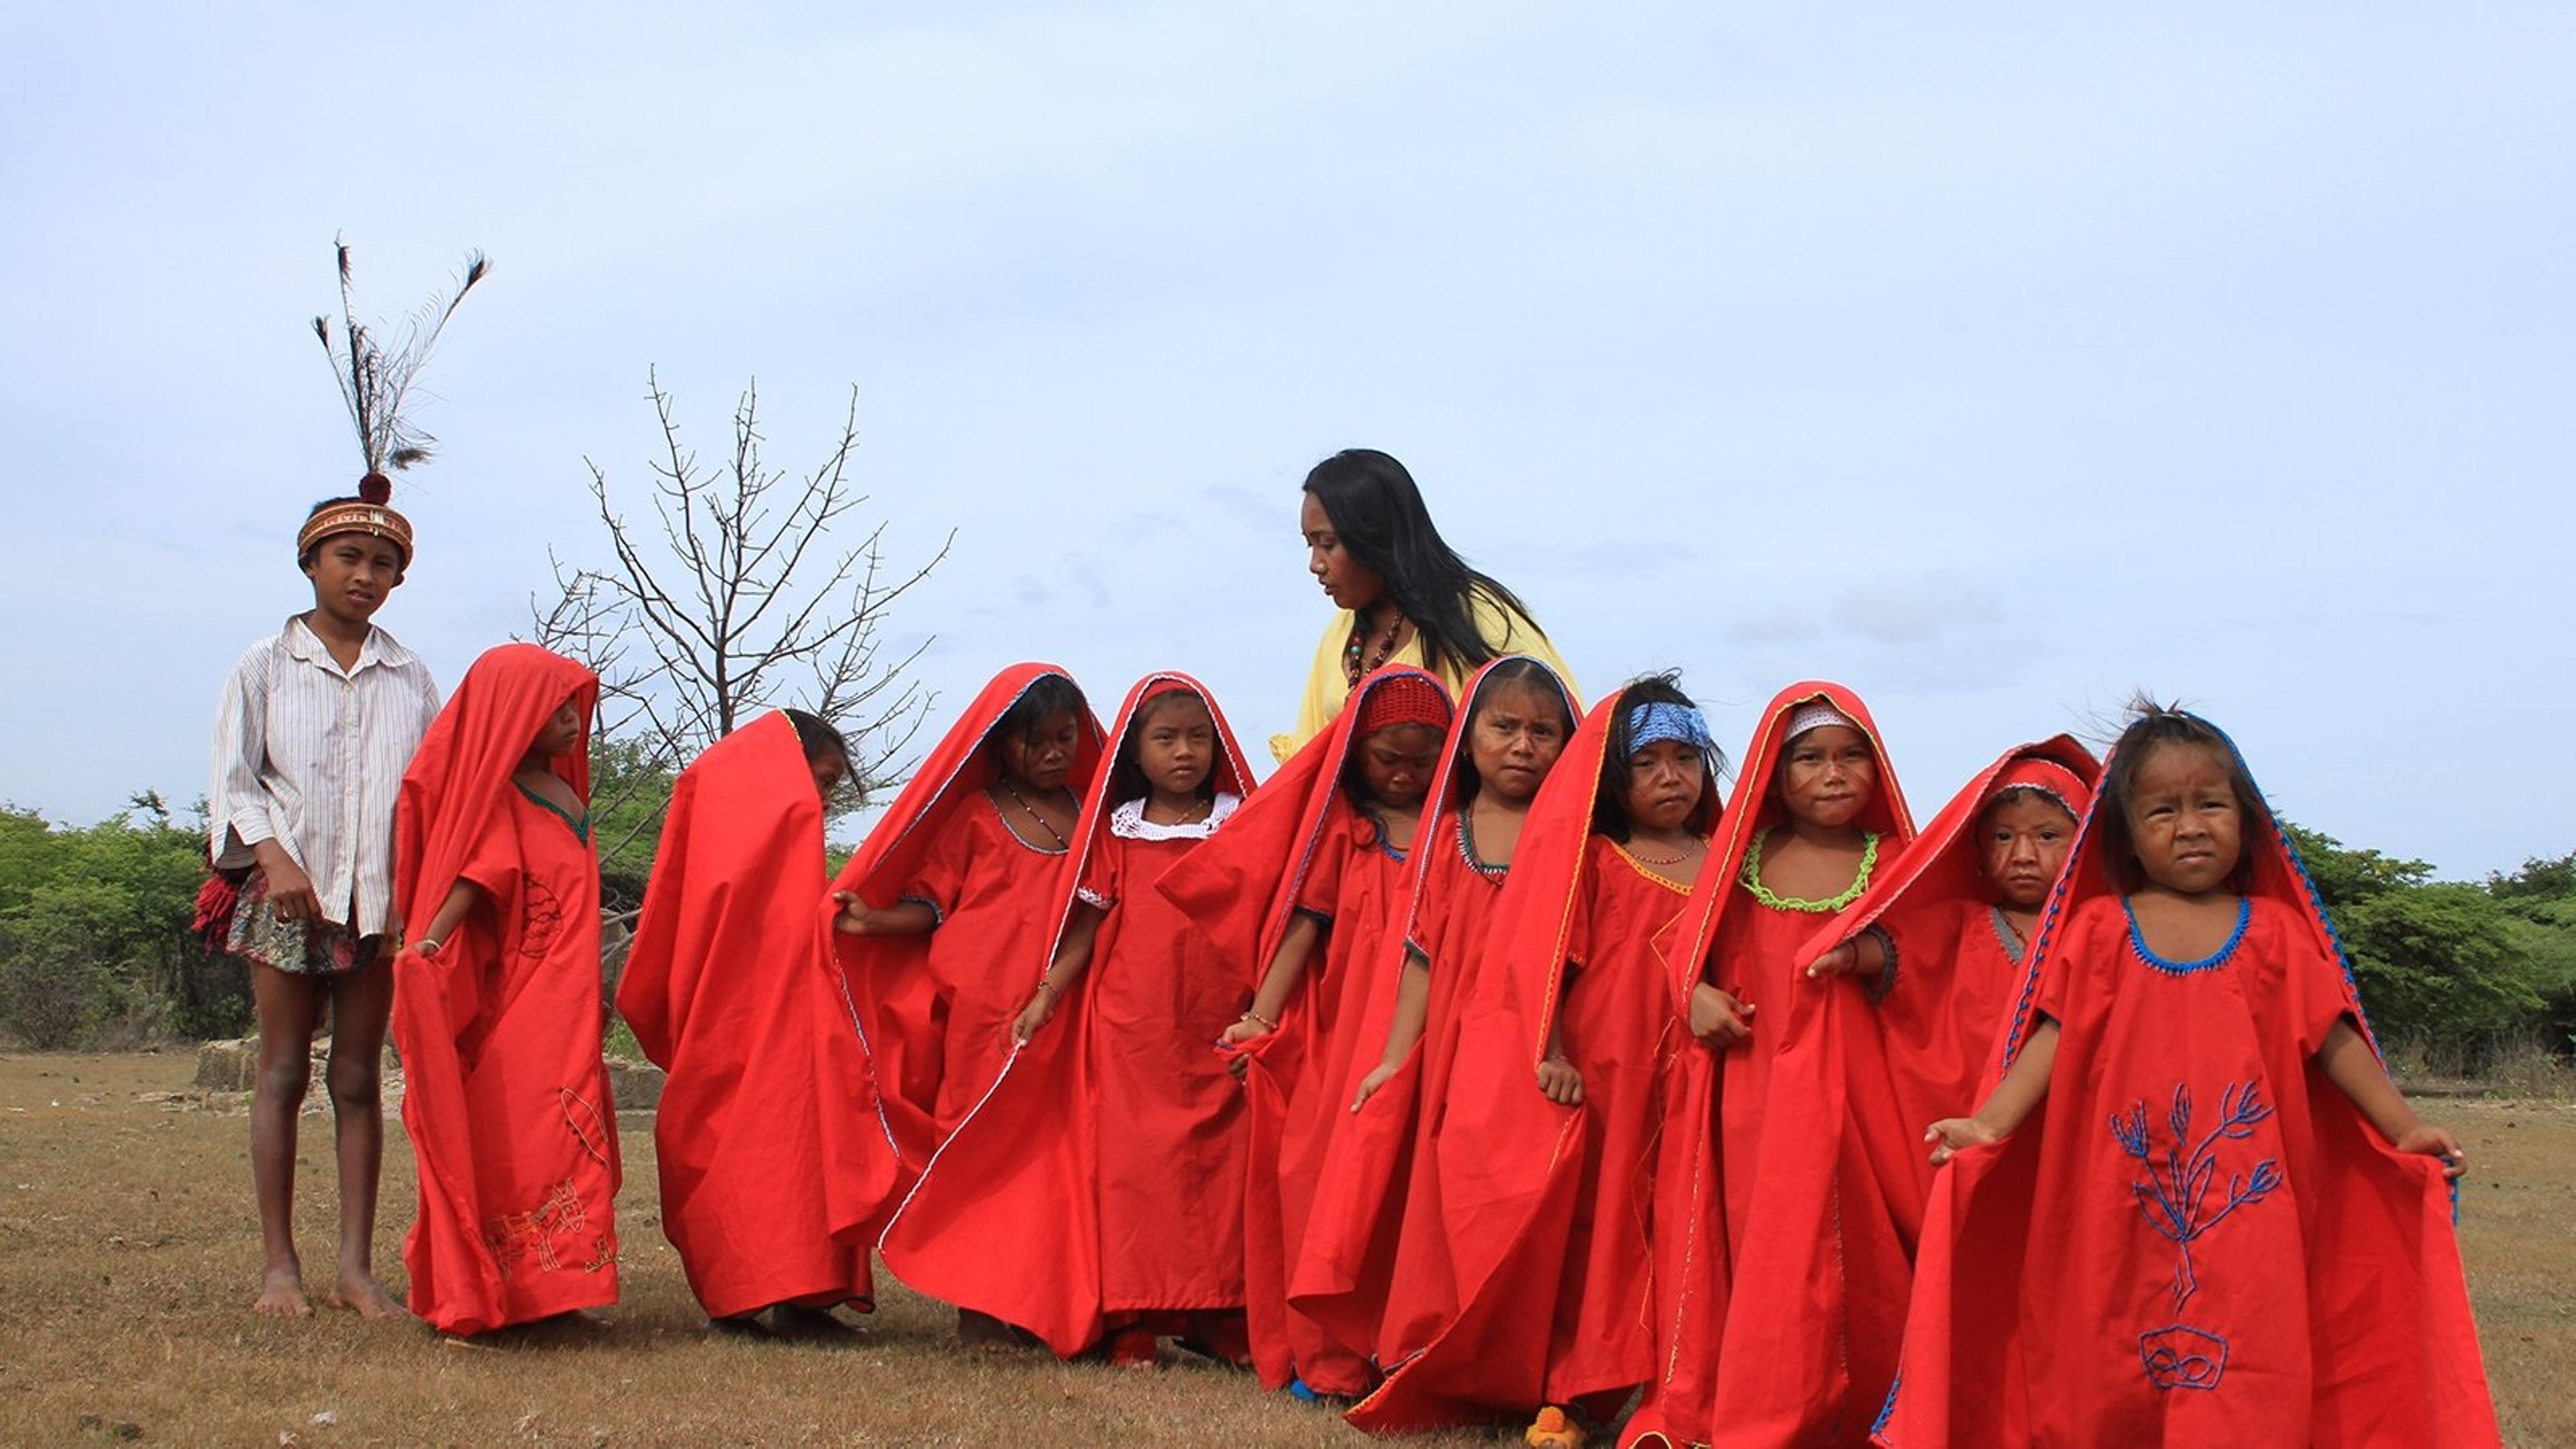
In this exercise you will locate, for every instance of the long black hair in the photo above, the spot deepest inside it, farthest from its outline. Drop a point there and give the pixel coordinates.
(1610, 806)
(1377, 513)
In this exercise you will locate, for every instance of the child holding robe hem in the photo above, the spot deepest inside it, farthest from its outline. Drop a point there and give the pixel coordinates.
(497, 1009)
(2191, 1108)
(1543, 1152)
(950, 907)
(1309, 880)
(1780, 1271)
(1953, 919)
(1517, 724)
(1098, 1186)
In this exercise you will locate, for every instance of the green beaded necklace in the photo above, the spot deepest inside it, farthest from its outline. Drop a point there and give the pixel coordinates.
(1752, 878)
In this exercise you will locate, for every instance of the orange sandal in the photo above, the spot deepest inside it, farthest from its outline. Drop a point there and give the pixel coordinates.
(1553, 1429)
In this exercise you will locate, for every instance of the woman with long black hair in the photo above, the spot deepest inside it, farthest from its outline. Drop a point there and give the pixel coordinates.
(1404, 595)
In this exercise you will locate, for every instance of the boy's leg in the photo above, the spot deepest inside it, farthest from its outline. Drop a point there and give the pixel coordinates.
(361, 1007)
(284, 1004)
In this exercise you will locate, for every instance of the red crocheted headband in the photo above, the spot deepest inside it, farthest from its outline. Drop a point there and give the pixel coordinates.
(1404, 699)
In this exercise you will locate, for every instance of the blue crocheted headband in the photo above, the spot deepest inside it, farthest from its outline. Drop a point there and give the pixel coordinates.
(1659, 721)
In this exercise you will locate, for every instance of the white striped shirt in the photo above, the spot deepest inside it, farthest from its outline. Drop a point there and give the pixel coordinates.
(312, 756)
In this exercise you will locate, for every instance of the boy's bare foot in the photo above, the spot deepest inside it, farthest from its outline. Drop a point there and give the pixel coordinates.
(360, 1291)
(281, 1293)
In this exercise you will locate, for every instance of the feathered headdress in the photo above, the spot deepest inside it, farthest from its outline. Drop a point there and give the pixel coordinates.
(374, 383)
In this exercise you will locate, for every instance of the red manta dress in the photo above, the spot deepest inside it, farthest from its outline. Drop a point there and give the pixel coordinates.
(506, 1099)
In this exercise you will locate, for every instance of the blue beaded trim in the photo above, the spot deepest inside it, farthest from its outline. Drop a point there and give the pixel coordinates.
(2039, 942)
(1378, 828)
(1887, 1410)
(2211, 962)
(1467, 852)
(2334, 938)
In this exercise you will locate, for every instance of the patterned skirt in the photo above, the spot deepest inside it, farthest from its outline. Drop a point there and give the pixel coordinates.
(299, 948)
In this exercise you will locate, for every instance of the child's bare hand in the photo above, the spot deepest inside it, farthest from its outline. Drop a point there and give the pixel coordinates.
(1378, 1077)
(1843, 960)
(1243, 1033)
(1952, 1135)
(290, 891)
(1039, 1011)
(2435, 1142)
(856, 918)
(1560, 1082)
(1718, 1019)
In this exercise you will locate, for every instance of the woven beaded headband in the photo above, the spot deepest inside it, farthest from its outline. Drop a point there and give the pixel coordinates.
(374, 519)
(1660, 720)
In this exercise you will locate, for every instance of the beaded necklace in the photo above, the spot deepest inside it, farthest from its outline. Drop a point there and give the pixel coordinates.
(1197, 811)
(1752, 878)
(1358, 663)
(1690, 847)
(1032, 812)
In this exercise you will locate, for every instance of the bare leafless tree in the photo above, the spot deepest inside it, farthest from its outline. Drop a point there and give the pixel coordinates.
(737, 602)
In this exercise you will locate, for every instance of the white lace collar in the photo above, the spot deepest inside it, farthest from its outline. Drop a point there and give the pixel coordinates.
(1127, 819)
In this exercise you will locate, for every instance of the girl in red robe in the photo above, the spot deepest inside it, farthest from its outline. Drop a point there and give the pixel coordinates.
(1956, 913)
(1101, 1181)
(1309, 880)
(2225, 1225)
(949, 908)
(772, 1156)
(1518, 719)
(1542, 1143)
(1780, 1274)
(497, 1009)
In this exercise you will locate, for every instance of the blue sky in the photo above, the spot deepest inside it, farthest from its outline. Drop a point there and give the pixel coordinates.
(1995, 361)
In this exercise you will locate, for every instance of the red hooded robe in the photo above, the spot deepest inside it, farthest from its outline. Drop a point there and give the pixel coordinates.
(504, 1095)
(1957, 966)
(1542, 1236)
(2196, 1238)
(1301, 845)
(936, 1009)
(1375, 1182)
(1104, 1172)
(1780, 1273)
(773, 1154)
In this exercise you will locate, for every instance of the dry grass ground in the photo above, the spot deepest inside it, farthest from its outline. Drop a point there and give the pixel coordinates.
(128, 1249)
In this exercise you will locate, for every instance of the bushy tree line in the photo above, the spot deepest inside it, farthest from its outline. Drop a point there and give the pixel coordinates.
(2450, 969)
(94, 942)
(95, 948)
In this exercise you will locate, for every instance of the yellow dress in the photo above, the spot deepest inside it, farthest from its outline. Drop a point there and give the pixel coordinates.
(1504, 630)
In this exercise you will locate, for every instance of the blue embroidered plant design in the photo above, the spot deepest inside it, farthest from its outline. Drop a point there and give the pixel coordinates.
(2182, 1174)
(2183, 1358)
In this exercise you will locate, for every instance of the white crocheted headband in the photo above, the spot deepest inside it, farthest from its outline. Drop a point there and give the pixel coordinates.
(1816, 714)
